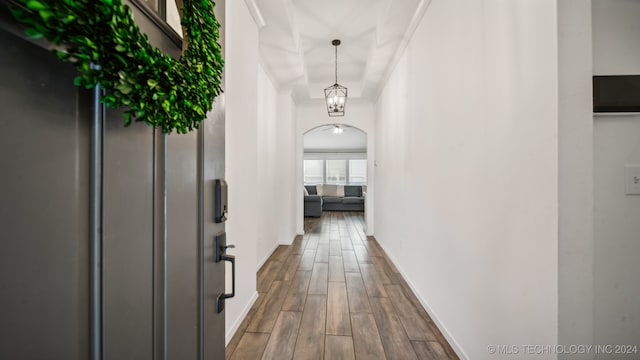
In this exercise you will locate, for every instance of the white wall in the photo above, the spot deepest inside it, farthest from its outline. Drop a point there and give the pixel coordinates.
(359, 114)
(276, 169)
(467, 175)
(266, 184)
(616, 50)
(260, 161)
(287, 164)
(576, 241)
(241, 71)
(617, 234)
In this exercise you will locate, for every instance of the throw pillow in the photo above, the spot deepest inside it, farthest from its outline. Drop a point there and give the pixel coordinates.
(352, 190)
(319, 190)
(330, 190)
(306, 192)
(340, 190)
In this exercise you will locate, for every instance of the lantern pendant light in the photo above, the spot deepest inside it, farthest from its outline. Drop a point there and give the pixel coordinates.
(336, 95)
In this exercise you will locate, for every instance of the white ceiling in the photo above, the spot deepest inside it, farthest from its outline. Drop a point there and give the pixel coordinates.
(322, 139)
(295, 42)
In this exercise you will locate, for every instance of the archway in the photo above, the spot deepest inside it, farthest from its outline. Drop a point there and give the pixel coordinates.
(337, 155)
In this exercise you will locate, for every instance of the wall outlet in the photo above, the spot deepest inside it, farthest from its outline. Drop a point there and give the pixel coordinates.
(632, 179)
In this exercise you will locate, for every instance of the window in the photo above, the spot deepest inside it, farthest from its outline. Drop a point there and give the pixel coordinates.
(164, 13)
(152, 3)
(313, 172)
(358, 172)
(335, 172)
(173, 17)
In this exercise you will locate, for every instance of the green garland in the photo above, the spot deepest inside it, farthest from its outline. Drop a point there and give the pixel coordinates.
(105, 44)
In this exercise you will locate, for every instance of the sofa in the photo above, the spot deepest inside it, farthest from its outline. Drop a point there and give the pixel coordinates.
(313, 205)
(320, 198)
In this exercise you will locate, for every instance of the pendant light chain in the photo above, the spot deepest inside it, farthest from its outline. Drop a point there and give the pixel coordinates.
(336, 46)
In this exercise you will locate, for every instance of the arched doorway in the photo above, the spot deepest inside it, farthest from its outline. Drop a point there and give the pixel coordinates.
(335, 157)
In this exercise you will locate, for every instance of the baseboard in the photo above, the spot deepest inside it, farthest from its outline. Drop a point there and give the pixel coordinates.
(232, 331)
(264, 260)
(290, 242)
(275, 246)
(443, 328)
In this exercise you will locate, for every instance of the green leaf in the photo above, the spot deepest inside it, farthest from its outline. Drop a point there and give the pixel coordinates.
(62, 55)
(127, 119)
(33, 34)
(124, 88)
(45, 14)
(109, 99)
(36, 5)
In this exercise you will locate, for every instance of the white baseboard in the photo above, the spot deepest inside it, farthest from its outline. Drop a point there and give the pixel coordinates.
(443, 329)
(232, 331)
(293, 238)
(269, 253)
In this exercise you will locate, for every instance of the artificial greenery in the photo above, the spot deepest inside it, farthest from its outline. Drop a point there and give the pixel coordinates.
(104, 43)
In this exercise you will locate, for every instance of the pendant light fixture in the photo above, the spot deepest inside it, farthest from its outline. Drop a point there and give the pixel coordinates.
(336, 95)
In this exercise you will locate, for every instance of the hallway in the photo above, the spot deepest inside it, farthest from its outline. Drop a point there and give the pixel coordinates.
(335, 293)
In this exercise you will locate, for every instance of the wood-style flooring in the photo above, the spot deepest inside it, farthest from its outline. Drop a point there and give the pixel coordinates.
(334, 294)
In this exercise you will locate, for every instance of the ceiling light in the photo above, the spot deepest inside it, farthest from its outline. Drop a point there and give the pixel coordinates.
(336, 95)
(337, 130)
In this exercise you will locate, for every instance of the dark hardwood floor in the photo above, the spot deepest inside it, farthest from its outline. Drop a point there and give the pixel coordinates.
(334, 294)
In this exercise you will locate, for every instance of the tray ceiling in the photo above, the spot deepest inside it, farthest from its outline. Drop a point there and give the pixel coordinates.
(295, 42)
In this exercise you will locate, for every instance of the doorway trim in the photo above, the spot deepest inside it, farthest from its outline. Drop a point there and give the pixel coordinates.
(369, 201)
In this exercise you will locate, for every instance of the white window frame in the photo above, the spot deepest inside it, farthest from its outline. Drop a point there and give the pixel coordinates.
(325, 169)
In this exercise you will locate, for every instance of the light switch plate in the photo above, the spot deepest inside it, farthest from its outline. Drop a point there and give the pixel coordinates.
(632, 179)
